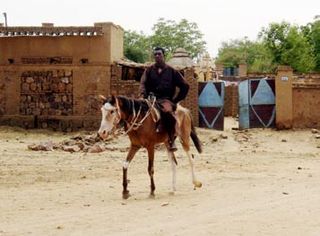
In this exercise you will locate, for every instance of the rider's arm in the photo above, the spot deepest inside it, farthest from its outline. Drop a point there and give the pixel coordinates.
(142, 88)
(183, 86)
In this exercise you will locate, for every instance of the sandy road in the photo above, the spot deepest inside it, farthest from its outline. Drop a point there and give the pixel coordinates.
(261, 182)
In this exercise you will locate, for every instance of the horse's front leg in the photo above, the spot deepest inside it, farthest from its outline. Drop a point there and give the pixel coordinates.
(151, 169)
(173, 162)
(132, 151)
(174, 171)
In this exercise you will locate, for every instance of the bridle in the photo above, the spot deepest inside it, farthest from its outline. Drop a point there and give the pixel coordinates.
(134, 123)
(116, 120)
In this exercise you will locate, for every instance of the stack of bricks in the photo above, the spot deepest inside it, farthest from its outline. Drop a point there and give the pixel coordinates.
(231, 101)
(46, 93)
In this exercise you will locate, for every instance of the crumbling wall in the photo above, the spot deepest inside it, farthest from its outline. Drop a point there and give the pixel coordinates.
(58, 97)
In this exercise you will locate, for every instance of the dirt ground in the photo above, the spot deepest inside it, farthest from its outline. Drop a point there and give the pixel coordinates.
(259, 182)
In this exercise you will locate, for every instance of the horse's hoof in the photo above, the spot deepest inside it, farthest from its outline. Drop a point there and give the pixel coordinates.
(197, 184)
(152, 195)
(126, 195)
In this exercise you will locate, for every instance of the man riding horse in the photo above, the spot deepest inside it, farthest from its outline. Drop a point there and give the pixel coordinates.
(160, 81)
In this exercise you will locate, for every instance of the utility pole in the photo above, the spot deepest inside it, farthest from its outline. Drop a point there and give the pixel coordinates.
(5, 19)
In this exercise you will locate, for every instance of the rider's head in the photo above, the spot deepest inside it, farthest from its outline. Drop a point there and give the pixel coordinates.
(158, 54)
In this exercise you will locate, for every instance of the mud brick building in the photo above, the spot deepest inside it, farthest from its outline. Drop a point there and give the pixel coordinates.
(51, 76)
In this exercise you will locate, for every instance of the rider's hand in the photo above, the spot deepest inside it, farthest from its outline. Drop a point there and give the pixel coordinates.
(167, 107)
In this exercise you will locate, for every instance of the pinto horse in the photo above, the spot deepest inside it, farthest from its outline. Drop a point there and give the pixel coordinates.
(139, 118)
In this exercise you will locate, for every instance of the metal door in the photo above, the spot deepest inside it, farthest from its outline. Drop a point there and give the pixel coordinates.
(211, 104)
(257, 103)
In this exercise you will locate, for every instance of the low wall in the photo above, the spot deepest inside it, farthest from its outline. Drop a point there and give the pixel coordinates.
(297, 100)
(306, 103)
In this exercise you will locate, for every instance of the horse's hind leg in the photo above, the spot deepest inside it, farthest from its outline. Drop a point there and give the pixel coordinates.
(196, 183)
(132, 151)
(151, 169)
(186, 147)
(185, 128)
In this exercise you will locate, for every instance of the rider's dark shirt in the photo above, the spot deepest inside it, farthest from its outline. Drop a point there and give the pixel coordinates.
(163, 85)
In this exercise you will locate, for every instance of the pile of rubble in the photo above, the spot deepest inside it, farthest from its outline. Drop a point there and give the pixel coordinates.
(80, 143)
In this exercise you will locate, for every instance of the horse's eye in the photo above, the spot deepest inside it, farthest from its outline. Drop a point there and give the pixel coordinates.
(111, 112)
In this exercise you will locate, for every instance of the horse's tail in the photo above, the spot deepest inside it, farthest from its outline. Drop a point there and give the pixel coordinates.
(195, 138)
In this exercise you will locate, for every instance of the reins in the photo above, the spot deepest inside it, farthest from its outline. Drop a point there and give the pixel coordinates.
(134, 124)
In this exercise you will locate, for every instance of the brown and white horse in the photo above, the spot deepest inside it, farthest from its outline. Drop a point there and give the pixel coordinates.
(138, 116)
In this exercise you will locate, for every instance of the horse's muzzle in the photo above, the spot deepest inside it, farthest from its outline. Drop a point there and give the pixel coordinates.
(103, 134)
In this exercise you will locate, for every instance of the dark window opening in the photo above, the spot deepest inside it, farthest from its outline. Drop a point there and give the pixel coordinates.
(84, 60)
(54, 60)
(230, 71)
(11, 61)
(132, 73)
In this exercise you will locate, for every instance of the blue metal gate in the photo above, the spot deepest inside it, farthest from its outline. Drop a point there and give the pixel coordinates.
(257, 103)
(211, 104)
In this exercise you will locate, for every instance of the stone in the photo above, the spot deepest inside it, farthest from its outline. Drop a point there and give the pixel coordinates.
(29, 80)
(45, 146)
(96, 149)
(74, 148)
(25, 87)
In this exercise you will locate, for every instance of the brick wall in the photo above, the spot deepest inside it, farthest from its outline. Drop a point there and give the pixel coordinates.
(2, 96)
(191, 101)
(46, 93)
(231, 101)
(58, 97)
(128, 88)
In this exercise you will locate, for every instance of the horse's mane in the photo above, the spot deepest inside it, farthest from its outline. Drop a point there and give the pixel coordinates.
(128, 103)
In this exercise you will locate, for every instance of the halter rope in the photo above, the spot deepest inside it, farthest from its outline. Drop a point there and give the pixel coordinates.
(134, 124)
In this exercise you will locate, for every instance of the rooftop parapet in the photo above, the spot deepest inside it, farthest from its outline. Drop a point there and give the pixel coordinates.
(47, 29)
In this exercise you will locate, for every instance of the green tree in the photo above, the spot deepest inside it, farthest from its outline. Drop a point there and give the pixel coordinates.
(288, 46)
(254, 54)
(136, 46)
(312, 33)
(172, 35)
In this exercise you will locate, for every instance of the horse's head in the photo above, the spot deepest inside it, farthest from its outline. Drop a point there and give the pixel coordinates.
(110, 117)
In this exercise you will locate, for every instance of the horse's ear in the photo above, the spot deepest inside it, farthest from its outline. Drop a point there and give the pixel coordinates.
(113, 98)
(102, 98)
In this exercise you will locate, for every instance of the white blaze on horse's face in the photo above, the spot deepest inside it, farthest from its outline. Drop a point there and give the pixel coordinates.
(109, 120)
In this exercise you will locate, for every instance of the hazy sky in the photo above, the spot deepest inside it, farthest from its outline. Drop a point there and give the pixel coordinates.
(218, 20)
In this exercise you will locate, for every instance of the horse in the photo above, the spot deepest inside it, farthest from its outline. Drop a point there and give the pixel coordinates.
(140, 123)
